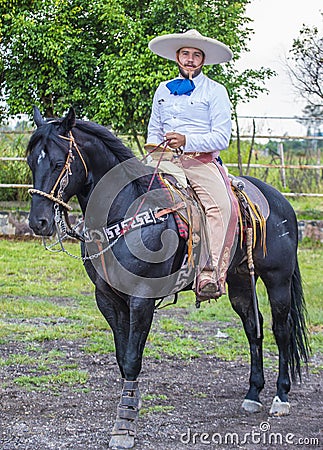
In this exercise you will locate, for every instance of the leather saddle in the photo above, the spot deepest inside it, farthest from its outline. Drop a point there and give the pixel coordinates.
(241, 186)
(187, 210)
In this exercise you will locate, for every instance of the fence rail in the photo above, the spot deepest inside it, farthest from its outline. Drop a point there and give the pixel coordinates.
(12, 158)
(284, 137)
(16, 186)
(281, 166)
(278, 166)
(253, 166)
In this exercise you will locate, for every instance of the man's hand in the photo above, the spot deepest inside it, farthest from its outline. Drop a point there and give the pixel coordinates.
(176, 140)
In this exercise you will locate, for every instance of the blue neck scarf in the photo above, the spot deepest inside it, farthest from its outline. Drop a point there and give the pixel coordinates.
(181, 86)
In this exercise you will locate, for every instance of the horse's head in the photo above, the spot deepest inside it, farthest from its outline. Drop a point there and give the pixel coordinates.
(58, 167)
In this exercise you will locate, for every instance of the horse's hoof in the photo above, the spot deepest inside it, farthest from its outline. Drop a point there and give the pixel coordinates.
(122, 441)
(279, 408)
(251, 406)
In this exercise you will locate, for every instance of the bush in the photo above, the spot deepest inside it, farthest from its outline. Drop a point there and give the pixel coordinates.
(14, 172)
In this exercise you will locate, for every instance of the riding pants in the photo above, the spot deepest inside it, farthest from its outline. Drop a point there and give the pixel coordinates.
(212, 186)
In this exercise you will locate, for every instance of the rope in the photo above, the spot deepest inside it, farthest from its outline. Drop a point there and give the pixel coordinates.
(251, 267)
(73, 142)
(50, 197)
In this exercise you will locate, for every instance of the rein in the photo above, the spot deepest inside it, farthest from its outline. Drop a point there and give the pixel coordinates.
(163, 145)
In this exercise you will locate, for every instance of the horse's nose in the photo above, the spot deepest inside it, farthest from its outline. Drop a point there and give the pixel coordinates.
(41, 226)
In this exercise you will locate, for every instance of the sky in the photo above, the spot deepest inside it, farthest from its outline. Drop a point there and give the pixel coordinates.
(276, 23)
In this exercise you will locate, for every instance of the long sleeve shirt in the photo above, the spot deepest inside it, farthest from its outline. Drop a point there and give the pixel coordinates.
(204, 117)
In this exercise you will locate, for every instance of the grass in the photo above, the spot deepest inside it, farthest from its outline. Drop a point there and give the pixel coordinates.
(47, 298)
(307, 208)
(27, 268)
(52, 382)
(162, 405)
(21, 359)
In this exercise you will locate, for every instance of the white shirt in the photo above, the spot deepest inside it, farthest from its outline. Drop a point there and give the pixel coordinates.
(204, 117)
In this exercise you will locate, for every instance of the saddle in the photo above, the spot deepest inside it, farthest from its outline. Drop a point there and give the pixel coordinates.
(248, 195)
(188, 212)
(252, 194)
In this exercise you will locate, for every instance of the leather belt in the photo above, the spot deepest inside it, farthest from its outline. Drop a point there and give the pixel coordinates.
(198, 156)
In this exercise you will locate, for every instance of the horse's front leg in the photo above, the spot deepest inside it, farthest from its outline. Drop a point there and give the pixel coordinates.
(241, 299)
(125, 426)
(116, 312)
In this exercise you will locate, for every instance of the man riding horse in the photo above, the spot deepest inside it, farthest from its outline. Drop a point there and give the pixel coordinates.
(70, 157)
(192, 112)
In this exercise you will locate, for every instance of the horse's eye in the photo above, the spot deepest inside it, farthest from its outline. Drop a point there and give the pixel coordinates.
(59, 165)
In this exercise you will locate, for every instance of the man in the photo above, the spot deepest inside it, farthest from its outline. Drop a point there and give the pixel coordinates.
(192, 112)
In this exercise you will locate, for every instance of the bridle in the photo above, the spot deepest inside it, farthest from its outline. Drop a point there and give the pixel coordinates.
(60, 185)
(63, 178)
(62, 182)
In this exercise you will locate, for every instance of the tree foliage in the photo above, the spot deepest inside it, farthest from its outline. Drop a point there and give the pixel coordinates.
(49, 50)
(93, 54)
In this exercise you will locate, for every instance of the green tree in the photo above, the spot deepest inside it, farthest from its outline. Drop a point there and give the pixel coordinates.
(93, 54)
(50, 53)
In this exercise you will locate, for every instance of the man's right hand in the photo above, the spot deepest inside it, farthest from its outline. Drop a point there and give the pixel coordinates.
(175, 140)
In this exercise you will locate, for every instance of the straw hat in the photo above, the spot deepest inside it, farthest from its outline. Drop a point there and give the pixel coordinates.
(167, 45)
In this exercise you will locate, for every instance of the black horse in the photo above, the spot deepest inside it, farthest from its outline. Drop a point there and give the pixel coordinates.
(71, 157)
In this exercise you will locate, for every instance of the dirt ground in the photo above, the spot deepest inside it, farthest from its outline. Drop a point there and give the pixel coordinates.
(186, 405)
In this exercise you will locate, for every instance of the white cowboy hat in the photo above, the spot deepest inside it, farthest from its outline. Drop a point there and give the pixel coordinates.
(167, 45)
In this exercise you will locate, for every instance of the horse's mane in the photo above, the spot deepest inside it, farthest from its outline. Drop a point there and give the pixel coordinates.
(131, 164)
(111, 143)
(114, 144)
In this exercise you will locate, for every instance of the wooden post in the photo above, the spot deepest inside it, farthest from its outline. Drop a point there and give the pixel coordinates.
(282, 162)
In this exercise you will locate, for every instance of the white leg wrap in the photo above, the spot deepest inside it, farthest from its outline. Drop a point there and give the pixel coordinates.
(251, 406)
(279, 408)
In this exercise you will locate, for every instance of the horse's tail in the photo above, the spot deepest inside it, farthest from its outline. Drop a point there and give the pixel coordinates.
(299, 345)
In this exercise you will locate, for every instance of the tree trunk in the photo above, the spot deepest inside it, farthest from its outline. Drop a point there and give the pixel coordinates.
(135, 136)
(251, 145)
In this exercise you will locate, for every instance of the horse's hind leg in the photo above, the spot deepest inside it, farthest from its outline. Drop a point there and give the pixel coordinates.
(241, 298)
(279, 296)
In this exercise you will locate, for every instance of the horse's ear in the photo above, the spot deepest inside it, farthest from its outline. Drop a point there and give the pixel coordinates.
(69, 120)
(38, 119)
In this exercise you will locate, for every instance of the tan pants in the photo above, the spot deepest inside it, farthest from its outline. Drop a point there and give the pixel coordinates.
(212, 187)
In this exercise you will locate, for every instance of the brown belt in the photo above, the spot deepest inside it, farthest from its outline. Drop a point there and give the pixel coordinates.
(197, 156)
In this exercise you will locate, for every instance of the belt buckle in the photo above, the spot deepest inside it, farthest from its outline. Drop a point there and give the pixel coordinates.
(192, 155)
